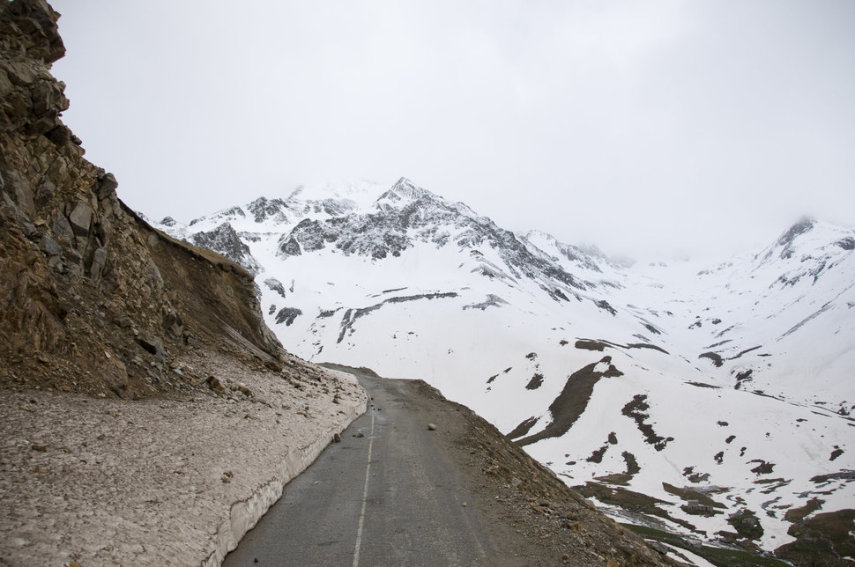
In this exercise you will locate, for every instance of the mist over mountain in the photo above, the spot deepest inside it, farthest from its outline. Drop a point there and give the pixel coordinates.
(709, 400)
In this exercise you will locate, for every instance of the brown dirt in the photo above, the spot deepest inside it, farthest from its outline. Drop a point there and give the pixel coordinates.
(823, 540)
(571, 402)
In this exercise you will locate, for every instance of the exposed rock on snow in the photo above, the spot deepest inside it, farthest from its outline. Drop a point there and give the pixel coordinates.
(224, 240)
(287, 315)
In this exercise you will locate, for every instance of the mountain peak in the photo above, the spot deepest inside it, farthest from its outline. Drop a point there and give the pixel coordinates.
(404, 184)
(264, 208)
(803, 225)
(811, 238)
(404, 190)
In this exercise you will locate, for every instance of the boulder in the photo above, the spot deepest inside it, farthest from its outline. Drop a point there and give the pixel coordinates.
(62, 228)
(49, 246)
(106, 186)
(81, 219)
(38, 34)
(21, 193)
(99, 259)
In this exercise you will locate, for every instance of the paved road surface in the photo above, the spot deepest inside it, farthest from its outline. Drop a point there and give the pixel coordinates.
(386, 495)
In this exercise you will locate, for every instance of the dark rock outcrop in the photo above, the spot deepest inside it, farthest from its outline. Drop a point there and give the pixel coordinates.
(288, 315)
(224, 240)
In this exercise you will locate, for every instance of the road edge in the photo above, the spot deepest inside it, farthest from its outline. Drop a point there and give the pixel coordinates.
(245, 514)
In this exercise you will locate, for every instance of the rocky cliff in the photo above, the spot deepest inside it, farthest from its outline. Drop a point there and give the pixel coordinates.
(93, 299)
(97, 310)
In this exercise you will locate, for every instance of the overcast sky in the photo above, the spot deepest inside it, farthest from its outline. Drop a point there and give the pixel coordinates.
(656, 126)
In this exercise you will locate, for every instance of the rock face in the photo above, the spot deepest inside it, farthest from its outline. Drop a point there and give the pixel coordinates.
(85, 283)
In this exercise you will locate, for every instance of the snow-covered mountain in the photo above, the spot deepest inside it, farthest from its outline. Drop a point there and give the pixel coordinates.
(711, 401)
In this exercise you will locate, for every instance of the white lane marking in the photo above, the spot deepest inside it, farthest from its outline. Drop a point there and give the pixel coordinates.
(364, 495)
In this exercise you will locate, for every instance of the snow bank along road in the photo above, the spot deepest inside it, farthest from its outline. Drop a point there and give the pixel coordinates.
(386, 495)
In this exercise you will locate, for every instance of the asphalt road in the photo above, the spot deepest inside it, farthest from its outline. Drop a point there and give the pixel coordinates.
(387, 494)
